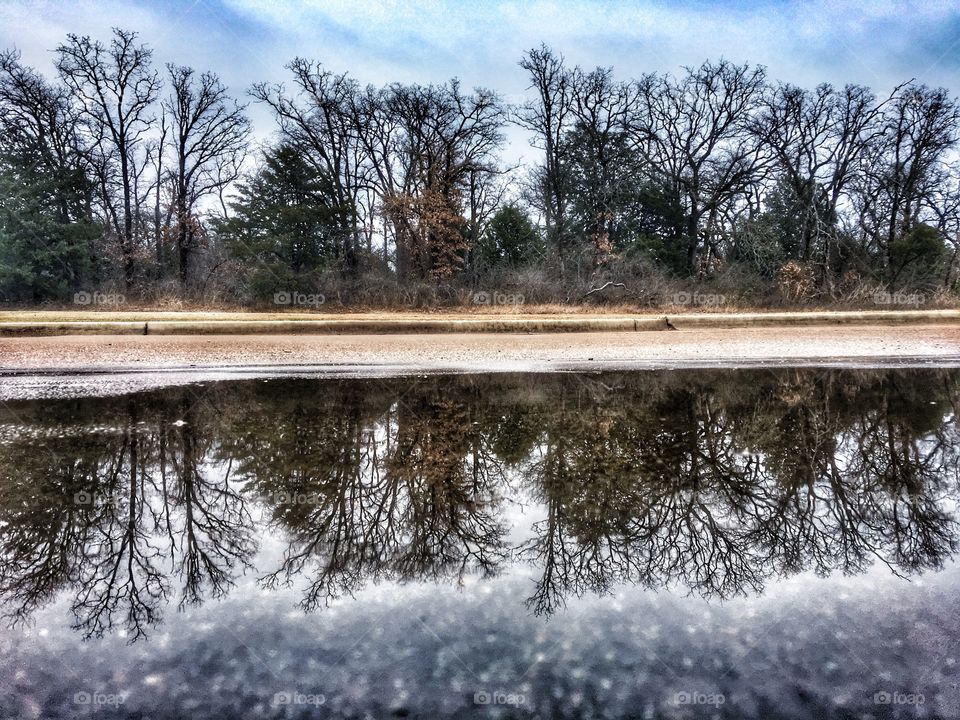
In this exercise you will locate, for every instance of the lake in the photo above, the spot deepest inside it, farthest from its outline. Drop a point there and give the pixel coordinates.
(648, 544)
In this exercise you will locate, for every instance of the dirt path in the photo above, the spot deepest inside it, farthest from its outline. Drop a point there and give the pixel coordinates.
(481, 351)
(82, 365)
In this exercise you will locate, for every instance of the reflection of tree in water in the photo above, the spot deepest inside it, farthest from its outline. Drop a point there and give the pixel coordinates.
(646, 490)
(367, 487)
(205, 518)
(111, 501)
(720, 486)
(867, 478)
(714, 482)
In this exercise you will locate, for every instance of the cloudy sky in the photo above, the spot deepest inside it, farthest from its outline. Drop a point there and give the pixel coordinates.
(877, 43)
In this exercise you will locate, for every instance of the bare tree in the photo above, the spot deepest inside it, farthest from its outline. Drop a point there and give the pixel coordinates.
(921, 126)
(695, 129)
(210, 133)
(116, 89)
(448, 139)
(320, 122)
(38, 120)
(604, 161)
(548, 117)
(161, 210)
(820, 140)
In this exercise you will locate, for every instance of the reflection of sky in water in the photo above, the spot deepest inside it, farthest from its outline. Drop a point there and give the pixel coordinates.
(806, 648)
(795, 645)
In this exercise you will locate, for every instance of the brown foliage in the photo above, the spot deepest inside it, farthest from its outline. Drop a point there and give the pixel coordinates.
(796, 281)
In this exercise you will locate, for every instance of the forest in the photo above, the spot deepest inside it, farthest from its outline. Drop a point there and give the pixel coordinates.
(124, 179)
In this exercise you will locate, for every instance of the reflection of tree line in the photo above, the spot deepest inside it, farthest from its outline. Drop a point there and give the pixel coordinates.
(718, 487)
(714, 482)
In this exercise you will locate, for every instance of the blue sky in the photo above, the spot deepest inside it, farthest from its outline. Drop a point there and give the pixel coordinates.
(875, 43)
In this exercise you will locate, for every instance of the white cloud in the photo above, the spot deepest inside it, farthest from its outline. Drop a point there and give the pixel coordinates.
(879, 43)
(876, 43)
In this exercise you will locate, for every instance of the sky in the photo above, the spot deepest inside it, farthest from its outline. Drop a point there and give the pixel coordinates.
(880, 43)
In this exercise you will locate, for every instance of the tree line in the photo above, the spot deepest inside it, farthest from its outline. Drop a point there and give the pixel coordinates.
(120, 174)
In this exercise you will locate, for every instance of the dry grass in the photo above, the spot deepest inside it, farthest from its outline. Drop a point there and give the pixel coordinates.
(144, 313)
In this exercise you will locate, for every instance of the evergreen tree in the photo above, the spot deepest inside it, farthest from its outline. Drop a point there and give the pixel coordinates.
(42, 256)
(286, 227)
(510, 239)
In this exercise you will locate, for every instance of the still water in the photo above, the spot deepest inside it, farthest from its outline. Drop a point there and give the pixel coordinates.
(729, 543)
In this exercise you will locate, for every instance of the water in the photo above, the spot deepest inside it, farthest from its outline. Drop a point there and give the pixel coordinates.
(731, 544)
